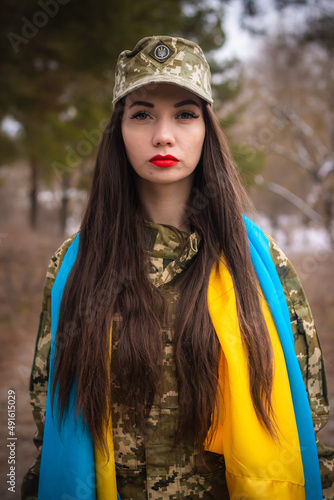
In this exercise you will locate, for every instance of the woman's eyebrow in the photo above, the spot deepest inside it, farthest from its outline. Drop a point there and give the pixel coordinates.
(142, 103)
(183, 103)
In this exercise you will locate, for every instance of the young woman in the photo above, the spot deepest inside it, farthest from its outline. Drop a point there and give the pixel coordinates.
(165, 363)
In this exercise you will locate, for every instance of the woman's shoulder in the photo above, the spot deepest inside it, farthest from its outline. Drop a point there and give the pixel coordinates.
(277, 254)
(287, 274)
(285, 270)
(56, 261)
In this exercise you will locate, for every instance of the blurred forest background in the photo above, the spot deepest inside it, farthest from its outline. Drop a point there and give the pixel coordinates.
(273, 74)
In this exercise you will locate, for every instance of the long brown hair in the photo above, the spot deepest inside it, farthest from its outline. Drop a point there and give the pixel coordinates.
(110, 277)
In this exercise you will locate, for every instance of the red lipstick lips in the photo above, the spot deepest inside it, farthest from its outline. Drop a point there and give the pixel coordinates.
(164, 161)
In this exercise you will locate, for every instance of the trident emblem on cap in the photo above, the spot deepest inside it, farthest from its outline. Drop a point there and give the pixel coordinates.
(161, 52)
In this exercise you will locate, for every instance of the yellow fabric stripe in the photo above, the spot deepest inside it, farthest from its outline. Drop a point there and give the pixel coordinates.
(243, 488)
(105, 472)
(257, 466)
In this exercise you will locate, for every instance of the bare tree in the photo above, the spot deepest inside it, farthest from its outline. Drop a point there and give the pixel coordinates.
(290, 96)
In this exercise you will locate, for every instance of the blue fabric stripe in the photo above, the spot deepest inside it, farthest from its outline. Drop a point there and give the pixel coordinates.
(273, 291)
(67, 467)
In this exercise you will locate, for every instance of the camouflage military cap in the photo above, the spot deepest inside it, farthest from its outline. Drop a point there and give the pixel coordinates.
(163, 59)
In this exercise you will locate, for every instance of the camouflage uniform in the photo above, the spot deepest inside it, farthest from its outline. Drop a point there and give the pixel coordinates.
(156, 470)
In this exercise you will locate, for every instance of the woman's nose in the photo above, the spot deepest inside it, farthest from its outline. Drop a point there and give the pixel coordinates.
(163, 134)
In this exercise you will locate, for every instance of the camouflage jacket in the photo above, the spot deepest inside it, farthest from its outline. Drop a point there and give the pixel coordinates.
(156, 470)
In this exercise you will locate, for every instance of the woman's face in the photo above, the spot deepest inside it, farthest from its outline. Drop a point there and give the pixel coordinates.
(163, 131)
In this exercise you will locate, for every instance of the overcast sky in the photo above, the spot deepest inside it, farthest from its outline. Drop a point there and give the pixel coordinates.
(243, 45)
(239, 43)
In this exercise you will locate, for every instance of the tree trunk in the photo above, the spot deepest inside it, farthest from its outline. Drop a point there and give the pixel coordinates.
(328, 217)
(331, 197)
(33, 192)
(64, 202)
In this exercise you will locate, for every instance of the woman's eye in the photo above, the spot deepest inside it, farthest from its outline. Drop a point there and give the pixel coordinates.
(141, 115)
(186, 115)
